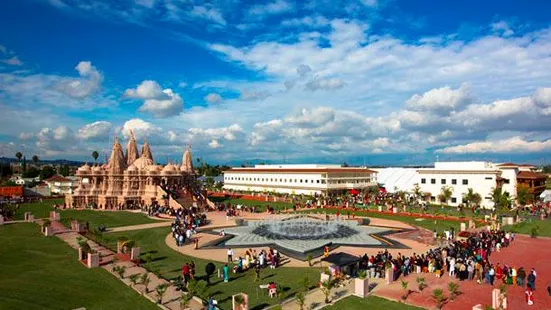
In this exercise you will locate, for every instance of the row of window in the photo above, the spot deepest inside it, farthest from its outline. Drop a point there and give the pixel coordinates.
(443, 181)
(272, 180)
(454, 200)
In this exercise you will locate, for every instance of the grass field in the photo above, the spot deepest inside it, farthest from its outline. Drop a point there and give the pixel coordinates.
(95, 218)
(169, 263)
(371, 302)
(260, 205)
(42, 273)
(430, 224)
(544, 227)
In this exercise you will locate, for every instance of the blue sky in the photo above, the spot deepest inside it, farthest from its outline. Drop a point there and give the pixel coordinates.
(392, 81)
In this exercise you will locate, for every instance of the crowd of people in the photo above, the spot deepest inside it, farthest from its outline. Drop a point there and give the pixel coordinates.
(185, 224)
(251, 259)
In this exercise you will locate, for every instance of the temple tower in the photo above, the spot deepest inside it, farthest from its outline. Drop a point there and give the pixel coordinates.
(131, 150)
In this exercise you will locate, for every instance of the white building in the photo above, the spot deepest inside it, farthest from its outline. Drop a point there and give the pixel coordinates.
(298, 179)
(395, 179)
(60, 185)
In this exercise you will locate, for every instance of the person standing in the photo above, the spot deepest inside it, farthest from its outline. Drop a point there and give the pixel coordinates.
(521, 276)
(230, 255)
(529, 296)
(531, 281)
(226, 273)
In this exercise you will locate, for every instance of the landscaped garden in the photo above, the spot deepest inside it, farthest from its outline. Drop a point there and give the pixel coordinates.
(38, 209)
(161, 259)
(42, 273)
(533, 227)
(371, 302)
(259, 205)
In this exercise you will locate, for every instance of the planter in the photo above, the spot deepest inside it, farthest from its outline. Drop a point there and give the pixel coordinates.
(48, 231)
(324, 277)
(93, 260)
(463, 227)
(55, 216)
(77, 227)
(81, 255)
(29, 217)
(135, 254)
(361, 287)
(244, 305)
(1, 220)
(389, 276)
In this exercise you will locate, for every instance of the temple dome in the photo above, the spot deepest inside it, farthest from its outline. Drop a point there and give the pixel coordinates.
(142, 162)
(169, 169)
(84, 169)
(132, 168)
(97, 169)
(153, 168)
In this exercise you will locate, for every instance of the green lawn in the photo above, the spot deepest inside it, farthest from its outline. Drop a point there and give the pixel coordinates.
(106, 218)
(42, 273)
(260, 205)
(430, 224)
(169, 263)
(95, 218)
(544, 227)
(38, 209)
(371, 302)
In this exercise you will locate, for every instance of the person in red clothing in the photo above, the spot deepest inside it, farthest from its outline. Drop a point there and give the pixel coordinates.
(529, 296)
(186, 273)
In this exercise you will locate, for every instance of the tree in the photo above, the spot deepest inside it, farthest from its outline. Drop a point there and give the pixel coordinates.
(420, 283)
(35, 160)
(471, 197)
(405, 288)
(19, 155)
(300, 298)
(31, 173)
(47, 172)
(134, 279)
(453, 288)
(523, 194)
(145, 280)
(95, 155)
(326, 287)
(160, 290)
(417, 192)
(438, 296)
(64, 170)
(445, 194)
(500, 198)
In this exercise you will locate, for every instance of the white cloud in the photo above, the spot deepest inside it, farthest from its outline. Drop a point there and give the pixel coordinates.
(511, 145)
(26, 135)
(172, 106)
(214, 144)
(271, 8)
(332, 83)
(303, 69)
(97, 131)
(441, 100)
(254, 95)
(211, 14)
(146, 90)
(13, 61)
(182, 84)
(82, 87)
(213, 98)
(307, 21)
(140, 128)
(503, 28)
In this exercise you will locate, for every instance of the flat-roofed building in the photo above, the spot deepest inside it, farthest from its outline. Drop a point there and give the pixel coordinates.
(308, 179)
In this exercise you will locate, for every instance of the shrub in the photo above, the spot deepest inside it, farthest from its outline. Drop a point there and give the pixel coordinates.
(421, 283)
(160, 290)
(362, 274)
(438, 296)
(145, 280)
(535, 232)
(453, 288)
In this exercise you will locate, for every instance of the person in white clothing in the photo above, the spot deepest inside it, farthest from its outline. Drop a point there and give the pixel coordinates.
(230, 255)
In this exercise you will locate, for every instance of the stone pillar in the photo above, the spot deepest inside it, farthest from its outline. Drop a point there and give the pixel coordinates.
(135, 254)
(93, 260)
(463, 227)
(394, 210)
(495, 298)
(389, 275)
(1, 220)
(30, 218)
(55, 216)
(48, 231)
(324, 277)
(361, 287)
(80, 253)
(119, 246)
(27, 215)
(380, 208)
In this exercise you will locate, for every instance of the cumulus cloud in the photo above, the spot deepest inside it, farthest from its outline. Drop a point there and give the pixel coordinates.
(303, 69)
(441, 100)
(88, 83)
(146, 90)
(254, 95)
(214, 144)
(140, 128)
(511, 145)
(213, 98)
(503, 28)
(162, 108)
(97, 131)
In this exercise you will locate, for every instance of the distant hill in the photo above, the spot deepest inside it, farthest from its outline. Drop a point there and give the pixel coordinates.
(52, 162)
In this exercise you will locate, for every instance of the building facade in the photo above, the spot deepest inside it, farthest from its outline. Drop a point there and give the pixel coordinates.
(482, 177)
(129, 178)
(298, 179)
(60, 185)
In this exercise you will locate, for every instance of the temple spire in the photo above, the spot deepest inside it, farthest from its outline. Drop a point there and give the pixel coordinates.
(131, 150)
(187, 161)
(116, 161)
(146, 151)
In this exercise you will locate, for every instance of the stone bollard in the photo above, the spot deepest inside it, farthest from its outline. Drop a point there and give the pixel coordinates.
(135, 254)
(244, 305)
(499, 301)
(27, 216)
(93, 260)
(48, 231)
(389, 275)
(463, 227)
(1, 220)
(380, 208)
(471, 224)
(54, 216)
(30, 218)
(80, 254)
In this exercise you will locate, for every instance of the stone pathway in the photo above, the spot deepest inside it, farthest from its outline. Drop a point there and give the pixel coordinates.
(171, 299)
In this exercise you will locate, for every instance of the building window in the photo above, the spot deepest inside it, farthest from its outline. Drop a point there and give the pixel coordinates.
(432, 198)
(454, 200)
(318, 181)
(454, 181)
(488, 178)
(432, 181)
(443, 181)
(465, 182)
(423, 181)
(300, 180)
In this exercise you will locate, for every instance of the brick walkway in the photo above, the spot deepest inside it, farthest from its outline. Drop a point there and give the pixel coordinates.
(524, 252)
(171, 299)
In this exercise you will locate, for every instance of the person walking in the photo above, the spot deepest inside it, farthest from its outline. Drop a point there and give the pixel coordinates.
(230, 256)
(529, 296)
(531, 281)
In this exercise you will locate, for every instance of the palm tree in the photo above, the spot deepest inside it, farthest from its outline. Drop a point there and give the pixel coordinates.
(445, 194)
(35, 160)
(523, 194)
(19, 155)
(500, 198)
(417, 192)
(95, 155)
(471, 197)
